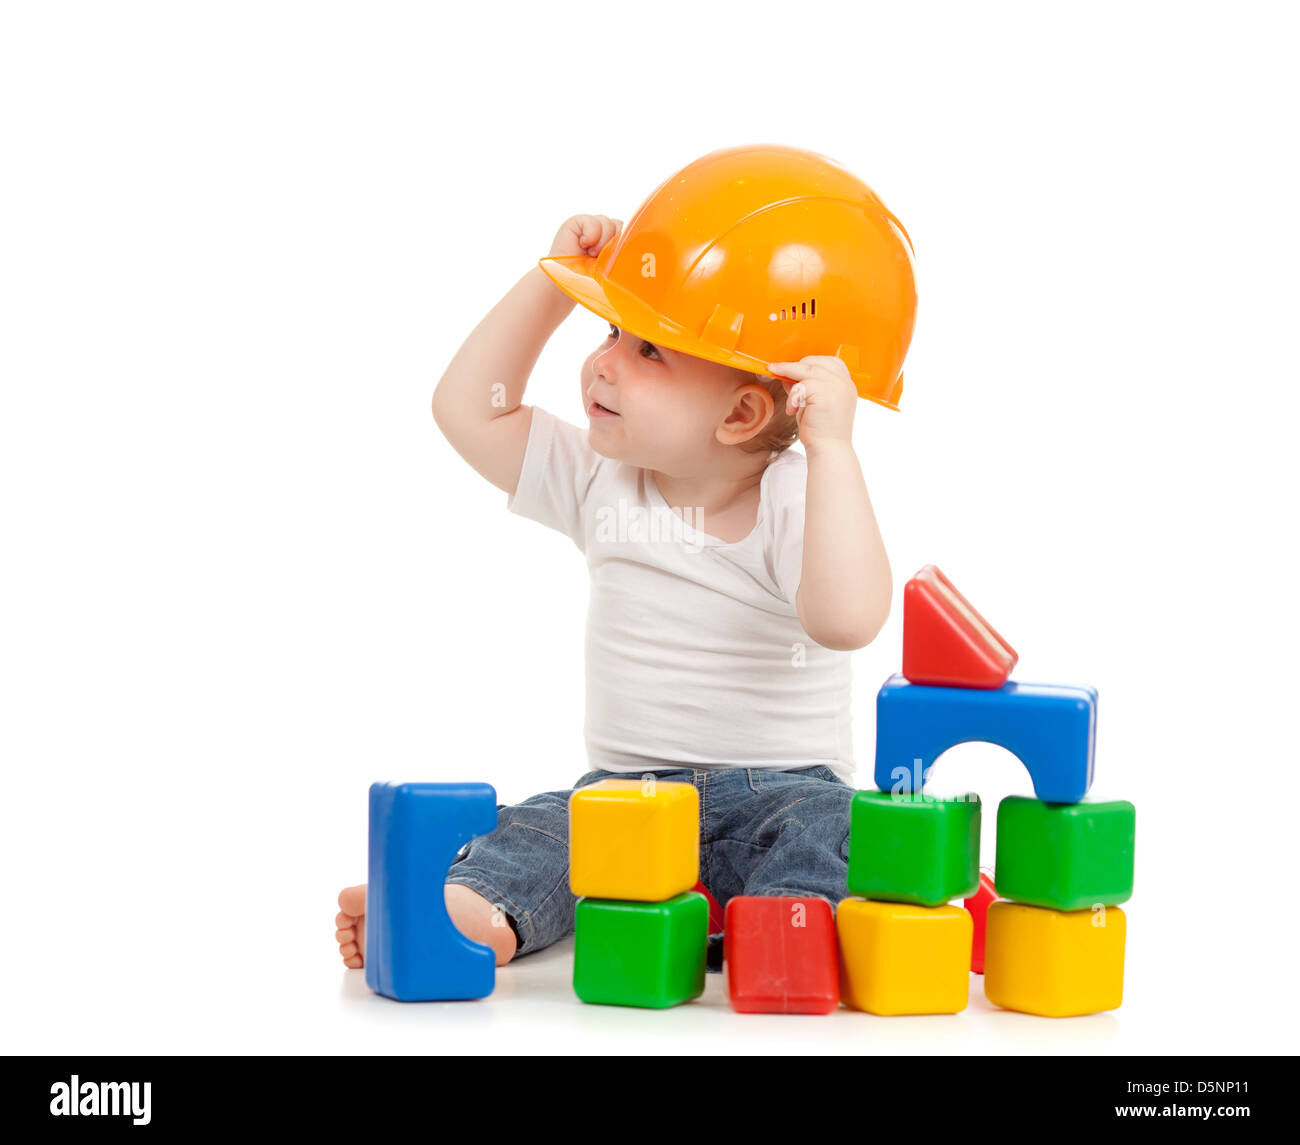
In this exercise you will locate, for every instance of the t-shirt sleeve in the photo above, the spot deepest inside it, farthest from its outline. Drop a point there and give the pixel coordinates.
(788, 487)
(557, 473)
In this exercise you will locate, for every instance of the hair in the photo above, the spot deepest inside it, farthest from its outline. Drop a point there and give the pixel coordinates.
(781, 432)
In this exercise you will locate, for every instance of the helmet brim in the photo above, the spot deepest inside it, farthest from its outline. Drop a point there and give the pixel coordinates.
(573, 275)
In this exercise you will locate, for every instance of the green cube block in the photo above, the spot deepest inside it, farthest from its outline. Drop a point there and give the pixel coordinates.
(641, 953)
(914, 848)
(1065, 856)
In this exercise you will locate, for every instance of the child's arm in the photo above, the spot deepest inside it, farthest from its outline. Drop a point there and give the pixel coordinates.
(477, 403)
(846, 586)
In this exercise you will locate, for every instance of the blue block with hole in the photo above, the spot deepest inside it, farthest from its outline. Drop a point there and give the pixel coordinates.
(413, 953)
(1051, 729)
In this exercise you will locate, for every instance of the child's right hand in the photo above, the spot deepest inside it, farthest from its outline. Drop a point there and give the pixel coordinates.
(584, 234)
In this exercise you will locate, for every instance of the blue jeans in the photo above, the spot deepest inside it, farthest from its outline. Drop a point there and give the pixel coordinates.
(762, 832)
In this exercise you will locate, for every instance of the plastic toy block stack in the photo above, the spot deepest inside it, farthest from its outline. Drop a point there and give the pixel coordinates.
(903, 949)
(1053, 941)
(1055, 946)
(642, 933)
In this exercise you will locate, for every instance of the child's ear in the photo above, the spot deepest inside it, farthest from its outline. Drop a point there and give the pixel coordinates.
(752, 408)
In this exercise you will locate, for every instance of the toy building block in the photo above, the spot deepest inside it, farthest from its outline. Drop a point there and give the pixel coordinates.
(780, 955)
(978, 906)
(413, 953)
(1054, 963)
(641, 953)
(635, 839)
(1051, 729)
(945, 641)
(1065, 856)
(896, 958)
(717, 919)
(913, 848)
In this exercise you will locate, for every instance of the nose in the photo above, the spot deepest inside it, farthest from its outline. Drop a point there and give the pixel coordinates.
(604, 364)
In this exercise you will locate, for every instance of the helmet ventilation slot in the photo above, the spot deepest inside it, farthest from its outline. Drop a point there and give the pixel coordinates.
(803, 310)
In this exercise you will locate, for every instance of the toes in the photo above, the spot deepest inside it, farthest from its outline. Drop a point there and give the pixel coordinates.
(349, 923)
(352, 900)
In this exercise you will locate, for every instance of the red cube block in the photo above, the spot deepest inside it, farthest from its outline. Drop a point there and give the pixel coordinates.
(781, 956)
(978, 905)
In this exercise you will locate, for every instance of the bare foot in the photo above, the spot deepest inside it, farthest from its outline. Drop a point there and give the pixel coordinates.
(471, 914)
(481, 921)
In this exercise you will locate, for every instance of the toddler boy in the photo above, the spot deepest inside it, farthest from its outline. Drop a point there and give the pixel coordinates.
(730, 578)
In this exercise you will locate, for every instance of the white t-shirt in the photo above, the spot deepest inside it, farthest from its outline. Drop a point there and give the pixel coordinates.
(695, 654)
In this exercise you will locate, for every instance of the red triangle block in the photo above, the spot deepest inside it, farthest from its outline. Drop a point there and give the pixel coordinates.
(716, 917)
(945, 641)
(978, 905)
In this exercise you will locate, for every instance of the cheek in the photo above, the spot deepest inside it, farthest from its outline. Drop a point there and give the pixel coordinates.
(652, 407)
(679, 415)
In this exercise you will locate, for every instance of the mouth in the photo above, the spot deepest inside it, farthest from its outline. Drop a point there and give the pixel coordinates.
(595, 409)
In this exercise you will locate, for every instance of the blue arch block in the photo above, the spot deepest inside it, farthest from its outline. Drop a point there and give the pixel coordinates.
(413, 953)
(1051, 729)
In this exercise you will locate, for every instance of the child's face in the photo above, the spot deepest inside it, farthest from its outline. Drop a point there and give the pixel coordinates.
(664, 410)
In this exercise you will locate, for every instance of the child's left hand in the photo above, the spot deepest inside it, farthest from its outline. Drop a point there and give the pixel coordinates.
(822, 397)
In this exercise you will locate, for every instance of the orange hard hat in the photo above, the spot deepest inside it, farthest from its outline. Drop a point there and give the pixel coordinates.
(760, 254)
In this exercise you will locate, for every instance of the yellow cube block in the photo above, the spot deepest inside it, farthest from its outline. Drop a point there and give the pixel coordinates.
(1053, 962)
(634, 839)
(897, 958)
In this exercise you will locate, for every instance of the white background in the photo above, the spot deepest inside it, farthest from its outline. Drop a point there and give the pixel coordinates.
(244, 576)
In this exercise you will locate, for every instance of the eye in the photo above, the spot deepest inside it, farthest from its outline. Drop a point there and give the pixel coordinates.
(614, 332)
